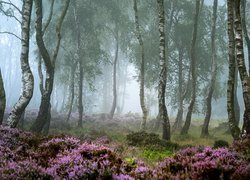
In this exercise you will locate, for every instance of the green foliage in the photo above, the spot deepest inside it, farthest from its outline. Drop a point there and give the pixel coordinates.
(143, 139)
(155, 155)
(220, 143)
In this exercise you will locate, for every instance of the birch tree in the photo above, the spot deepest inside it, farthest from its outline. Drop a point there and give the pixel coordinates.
(142, 68)
(211, 87)
(193, 70)
(27, 76)
(49, 60)
(163, 114)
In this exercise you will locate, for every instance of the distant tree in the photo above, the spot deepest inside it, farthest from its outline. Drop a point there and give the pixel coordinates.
(193, 70)
(142, 68)
(2, 98)
(235, 131)
(163, 114)
(211, 86)
(49, 60)
(27, 76)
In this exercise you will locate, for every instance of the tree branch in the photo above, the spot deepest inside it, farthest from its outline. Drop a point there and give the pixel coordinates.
(50, 16)
(11, 4)
(10, 33)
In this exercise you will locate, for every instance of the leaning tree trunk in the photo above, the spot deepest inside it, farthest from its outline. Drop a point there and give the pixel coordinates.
(27, 76)
(204, 131)
(193, 70)
(114, 81)
(235, 131)
(44, 115)
(163, 114)
(244, 76)
(2, 98)
(142, 69)
(244, 27)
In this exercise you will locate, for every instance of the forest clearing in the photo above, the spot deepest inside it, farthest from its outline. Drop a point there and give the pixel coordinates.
(125, 89)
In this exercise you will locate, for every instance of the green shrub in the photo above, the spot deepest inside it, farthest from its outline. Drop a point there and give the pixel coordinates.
(220, 143)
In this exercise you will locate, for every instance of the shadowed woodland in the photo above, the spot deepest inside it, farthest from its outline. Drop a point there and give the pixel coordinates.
(124, 89)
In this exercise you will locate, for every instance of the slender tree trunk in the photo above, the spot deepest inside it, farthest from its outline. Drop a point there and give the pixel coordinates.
(114, 80)
(193, 70)
(142, 69)
(163, 114)
(179, 116)
(244, 76)
(72, 90)
(236, 102)
(244, 28)
(209, 97)
(235, 131)
(27, 76)
(2, 98)
(80, 65)
(44, 115)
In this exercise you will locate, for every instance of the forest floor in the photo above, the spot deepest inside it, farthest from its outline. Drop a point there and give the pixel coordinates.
(105, 148)
(114, 132)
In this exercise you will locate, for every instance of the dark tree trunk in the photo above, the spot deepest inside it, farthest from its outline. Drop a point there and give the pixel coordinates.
(193, 70)
(204, 131)
(142, 69)
(44, 115)
(244, 76)
(114, 81)
(2, 99)
(163, 114)
(72, 90)
(27, 76)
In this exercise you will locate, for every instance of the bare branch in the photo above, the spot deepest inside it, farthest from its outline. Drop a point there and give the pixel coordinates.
(10, 15)
(50, 16)
(10, 33)
(11, 4)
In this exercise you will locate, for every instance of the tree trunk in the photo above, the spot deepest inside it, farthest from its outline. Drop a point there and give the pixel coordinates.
(142, 69)
(44, 115)
(193, 71)
(72, 90)
(209, 97)
(163, 114)
(244, 76)
(179, 117)
(245, 33)
(114, 81)
(27, 76)
(232, 72)
(2, 98)
(80, 64)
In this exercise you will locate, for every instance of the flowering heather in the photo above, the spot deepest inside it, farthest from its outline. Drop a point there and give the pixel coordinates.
(24, 156)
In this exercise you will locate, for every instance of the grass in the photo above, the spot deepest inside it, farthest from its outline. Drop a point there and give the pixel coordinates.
(117, 134)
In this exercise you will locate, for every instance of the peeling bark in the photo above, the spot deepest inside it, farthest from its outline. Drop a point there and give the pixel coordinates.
(142, 69)
(244, 76)
(27, 76)
(163, 114)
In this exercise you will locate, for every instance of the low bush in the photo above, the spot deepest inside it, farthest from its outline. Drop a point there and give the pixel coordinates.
(220, 143)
